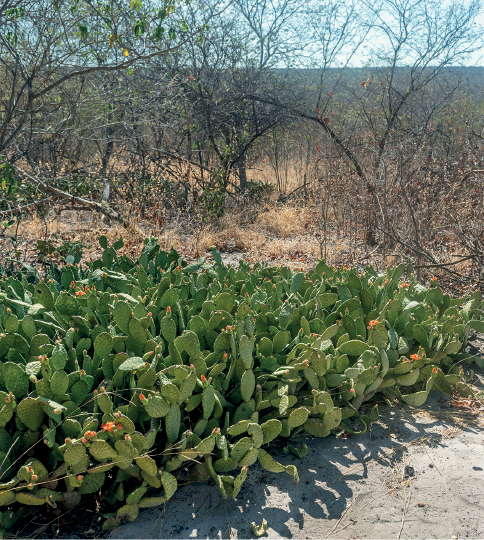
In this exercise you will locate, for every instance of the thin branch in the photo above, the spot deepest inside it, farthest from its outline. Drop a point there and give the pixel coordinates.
(19, 209)
(104, 209)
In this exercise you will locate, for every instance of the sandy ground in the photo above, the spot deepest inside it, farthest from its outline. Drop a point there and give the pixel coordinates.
(418, 473)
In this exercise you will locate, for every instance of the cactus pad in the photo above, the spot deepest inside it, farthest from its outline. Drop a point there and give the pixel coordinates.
(31, 413)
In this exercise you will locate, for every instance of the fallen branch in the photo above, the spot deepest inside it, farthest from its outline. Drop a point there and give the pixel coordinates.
(455, 275)
(58, 193)
(26, 207)
(289, 195)
(446, 264)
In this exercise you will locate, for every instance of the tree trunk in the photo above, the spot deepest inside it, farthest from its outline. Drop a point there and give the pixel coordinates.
(242, 166)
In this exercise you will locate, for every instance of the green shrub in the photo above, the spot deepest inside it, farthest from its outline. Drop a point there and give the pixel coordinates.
(117, 374)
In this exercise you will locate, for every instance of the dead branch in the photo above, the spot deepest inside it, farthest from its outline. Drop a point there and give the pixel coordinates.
(26, 207)
(58, 193)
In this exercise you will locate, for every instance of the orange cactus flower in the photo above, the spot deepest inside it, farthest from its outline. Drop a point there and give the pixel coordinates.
(371, 324)
(142, 397)
(415, 357)
(434, 370)
(109, 426)
(204, 379)
(405, 285)
(80, 293)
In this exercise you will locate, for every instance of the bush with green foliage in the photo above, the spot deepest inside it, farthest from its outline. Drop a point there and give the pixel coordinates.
(115, 374)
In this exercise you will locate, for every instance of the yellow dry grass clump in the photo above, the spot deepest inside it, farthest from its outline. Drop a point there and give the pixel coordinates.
(274, 233)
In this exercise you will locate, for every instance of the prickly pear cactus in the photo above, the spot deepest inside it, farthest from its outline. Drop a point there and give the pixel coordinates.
(118, 374)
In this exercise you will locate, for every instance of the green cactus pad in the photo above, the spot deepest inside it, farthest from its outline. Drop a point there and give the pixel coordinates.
(222, 343)
(415, 400)
(134, 363)
(122, 315)
(79, 391)
(408, 379)
(241, 448)
(250, 457)
(402, 368)
(257, 434)
(191, 343)
(92, 483)
(353, 347)
(187, 387)
(104, 403)
(169, 484)
(147, 464)
(238, 428)
(453, 347)
(66, 305)
(170, 393)
(29, 499)
(334, 380)
(316, 428)
(102, 450)
(280, 341)
(168, 329)
(7, 497)
(247, 385)
(326, 300)
(126, 449)
(136, 495)
(126, 423)
(420, 335)
(31, 413)
(206, 446)
(269, 463)
(103, 344)
(225, 465)
(10, 323)
(59, 382)
(246, 347)
(208, 401)
(16, 379)
(332, 418)
(37, 343)
(297, 417)
(271, 429)
(71, 427)
(172, 423)
(156, 406)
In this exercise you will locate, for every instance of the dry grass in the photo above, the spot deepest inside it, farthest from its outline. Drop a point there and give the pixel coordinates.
(274, 233)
